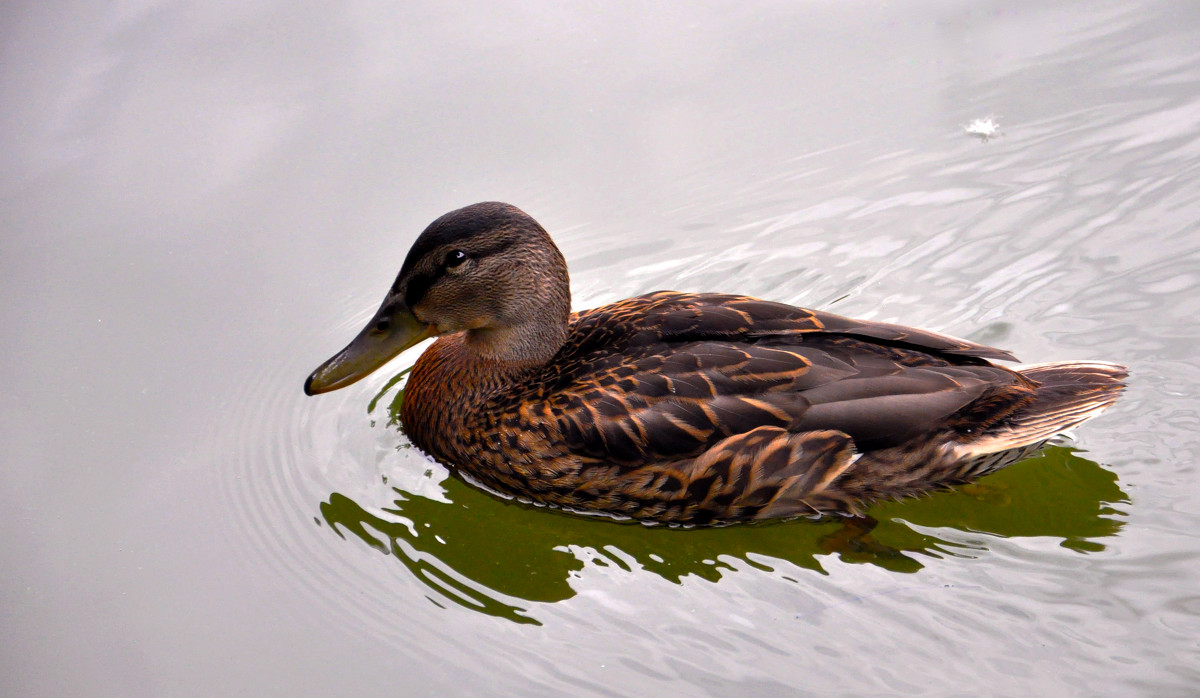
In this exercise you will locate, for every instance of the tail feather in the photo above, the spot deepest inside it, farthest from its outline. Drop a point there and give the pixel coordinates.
(1068, 394)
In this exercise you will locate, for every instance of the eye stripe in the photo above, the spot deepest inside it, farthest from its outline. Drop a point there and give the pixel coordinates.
(419, 285)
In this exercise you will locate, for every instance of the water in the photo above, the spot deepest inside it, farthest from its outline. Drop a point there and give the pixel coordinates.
(201, 203)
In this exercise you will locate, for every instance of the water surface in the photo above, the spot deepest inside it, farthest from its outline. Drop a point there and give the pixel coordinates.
(198, 204)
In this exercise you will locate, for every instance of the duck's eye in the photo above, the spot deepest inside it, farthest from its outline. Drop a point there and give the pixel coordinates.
(455, 258)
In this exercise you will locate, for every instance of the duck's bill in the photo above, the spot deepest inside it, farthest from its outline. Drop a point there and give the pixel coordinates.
(390, 332)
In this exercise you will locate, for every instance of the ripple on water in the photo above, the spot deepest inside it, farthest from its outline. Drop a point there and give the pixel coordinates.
(289, 452)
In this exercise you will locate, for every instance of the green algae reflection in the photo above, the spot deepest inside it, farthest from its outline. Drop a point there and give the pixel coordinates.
(503, 557)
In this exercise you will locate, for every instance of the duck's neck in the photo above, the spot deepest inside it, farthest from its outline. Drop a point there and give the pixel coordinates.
(518, 348)
(458, 373)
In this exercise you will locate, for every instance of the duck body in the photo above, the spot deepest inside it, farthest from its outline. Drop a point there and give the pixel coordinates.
(690, 408)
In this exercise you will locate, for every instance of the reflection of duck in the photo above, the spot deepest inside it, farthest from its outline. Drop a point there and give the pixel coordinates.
(688, 408)
(523, 562)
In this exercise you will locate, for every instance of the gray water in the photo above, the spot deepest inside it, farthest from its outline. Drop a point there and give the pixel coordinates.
(199, 203)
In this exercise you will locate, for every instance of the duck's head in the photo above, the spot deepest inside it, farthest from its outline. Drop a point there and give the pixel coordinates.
(488, 270)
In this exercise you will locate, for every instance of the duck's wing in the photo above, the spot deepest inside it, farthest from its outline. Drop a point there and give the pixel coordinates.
(668, 376)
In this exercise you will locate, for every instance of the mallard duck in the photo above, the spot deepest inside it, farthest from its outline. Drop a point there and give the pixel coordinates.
(688, 408)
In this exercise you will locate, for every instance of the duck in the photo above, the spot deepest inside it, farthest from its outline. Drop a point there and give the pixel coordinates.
(688, 409)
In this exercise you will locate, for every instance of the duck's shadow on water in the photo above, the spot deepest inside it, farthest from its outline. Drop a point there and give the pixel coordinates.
(503, 557)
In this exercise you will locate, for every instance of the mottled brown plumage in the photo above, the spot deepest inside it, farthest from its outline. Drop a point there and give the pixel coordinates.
(689, 408)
